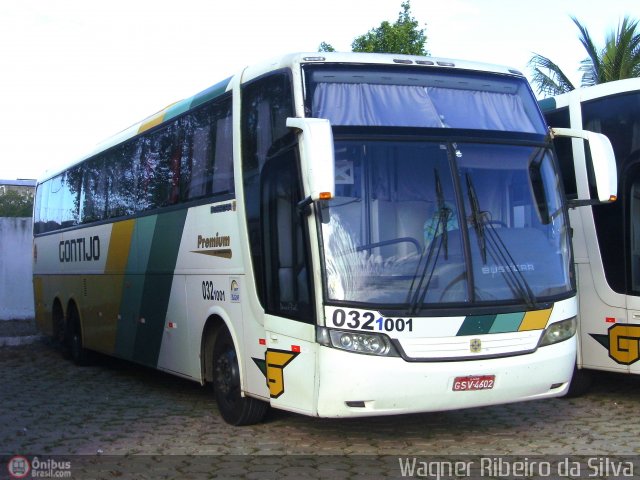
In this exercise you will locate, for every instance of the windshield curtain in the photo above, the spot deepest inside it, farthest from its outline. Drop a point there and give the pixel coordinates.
(416, 106)
(421, 224)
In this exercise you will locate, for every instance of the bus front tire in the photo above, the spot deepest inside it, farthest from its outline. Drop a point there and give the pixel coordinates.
(580, 383)
(234, 408)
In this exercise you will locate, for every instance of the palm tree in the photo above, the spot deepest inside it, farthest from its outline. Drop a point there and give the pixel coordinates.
(618, 59)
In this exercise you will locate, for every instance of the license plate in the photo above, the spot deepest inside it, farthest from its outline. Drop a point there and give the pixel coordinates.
(474, 382)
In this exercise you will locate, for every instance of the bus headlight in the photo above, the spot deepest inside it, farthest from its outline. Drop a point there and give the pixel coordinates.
(358, 342)
(559, 332)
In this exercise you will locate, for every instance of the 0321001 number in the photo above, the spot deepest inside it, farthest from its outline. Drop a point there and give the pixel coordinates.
(368, 321)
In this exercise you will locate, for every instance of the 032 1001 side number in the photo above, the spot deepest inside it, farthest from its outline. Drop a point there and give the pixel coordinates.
(368, 321)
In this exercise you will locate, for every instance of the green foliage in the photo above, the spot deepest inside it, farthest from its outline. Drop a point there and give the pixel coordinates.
(549, 77)
(403, 36)
(618, 59)
(13, 204)
(326, 47)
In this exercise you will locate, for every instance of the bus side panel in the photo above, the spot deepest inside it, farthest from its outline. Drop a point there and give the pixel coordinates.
(593, 325)
(65, 267)
(45, 260)
(600, 307)
(626, 341)
(174, 351)
(100, 316)
(254, 340)
(291, 363)
(131, 299)
(211, 266)
(156, 292)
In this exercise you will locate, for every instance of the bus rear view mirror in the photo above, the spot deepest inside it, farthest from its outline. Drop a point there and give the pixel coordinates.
(603, 161)
(316, 156)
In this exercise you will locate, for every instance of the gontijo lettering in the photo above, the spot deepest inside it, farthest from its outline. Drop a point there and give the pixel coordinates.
(79, 249)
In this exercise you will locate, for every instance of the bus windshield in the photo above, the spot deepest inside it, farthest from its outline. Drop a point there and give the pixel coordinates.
(419, 223)
(433, 215)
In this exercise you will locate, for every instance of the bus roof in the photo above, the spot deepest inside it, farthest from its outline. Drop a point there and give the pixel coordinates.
(289, 60)
(585, 94)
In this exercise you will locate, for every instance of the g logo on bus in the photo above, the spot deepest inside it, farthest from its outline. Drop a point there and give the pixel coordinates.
(624, 343)
(475, 345)
(272, 368)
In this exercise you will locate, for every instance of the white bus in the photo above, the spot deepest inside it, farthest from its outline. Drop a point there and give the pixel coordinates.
(606, 237)
(336, 235)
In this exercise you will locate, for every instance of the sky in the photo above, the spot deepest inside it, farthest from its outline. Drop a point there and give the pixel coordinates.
(75, 72)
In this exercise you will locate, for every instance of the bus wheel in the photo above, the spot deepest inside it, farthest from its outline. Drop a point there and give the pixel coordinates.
(77, 352)
(580, 383)
(58, 325)
(234, 408)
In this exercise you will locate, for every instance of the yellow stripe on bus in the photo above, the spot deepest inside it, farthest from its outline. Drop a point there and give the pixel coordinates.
(536, 320)
(119, 245)
(151, 122)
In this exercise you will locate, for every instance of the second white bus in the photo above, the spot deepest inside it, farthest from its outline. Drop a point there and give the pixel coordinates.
(606, 236)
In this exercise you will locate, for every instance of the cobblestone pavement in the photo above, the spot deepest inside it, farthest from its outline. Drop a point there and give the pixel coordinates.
(115, 409)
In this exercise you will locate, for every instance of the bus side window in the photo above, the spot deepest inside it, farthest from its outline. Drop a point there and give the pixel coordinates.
(207, 154)
(266, 104)
(634, 230)
(286, 259)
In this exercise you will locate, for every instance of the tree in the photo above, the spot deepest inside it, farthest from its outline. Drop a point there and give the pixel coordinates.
(618, 59)
(326, 47)
(404, 37)
(13, 204)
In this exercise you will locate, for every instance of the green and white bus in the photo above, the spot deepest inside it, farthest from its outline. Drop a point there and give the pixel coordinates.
(332, 234)
(606, 237)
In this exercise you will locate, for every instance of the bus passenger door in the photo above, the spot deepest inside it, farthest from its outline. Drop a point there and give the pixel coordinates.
(625, 342)
(289, 323)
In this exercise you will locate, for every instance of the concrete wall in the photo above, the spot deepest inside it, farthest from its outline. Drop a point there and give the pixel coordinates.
(16, 287)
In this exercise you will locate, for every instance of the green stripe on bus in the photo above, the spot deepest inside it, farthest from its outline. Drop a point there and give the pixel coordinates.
(476, 325)
(507, 322)
(176, 109)
(210, 93)
(163, 255)
(483, 324)
(134, 285)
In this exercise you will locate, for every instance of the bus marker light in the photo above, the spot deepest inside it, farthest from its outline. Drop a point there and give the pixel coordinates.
(262, 341)
(295, 348)
(325, 196)
(610, 320)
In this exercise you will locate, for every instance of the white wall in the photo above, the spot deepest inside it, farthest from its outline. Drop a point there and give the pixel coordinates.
(16, 287)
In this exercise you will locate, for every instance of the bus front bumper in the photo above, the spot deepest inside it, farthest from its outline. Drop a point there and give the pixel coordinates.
(354, 385)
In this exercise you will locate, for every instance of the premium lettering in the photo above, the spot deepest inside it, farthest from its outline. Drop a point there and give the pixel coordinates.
(214, 242)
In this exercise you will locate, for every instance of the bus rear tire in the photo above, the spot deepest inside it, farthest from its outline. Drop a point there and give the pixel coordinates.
(77, 352)
(234, 408)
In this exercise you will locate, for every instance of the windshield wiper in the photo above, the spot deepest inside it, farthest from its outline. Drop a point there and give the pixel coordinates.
(416, 299)
(477, 219)
(497, 249)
